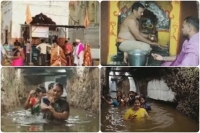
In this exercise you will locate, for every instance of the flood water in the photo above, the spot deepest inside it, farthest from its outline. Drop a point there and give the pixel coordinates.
(22, 121)
(164, 118)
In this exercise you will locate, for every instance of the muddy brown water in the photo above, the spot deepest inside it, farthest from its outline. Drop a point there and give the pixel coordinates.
(22, 121)
(164, 118)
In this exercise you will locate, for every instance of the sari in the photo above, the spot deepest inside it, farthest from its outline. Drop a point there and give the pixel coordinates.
(17, 61)
(68, 53)
(57, 56)
(87, 56)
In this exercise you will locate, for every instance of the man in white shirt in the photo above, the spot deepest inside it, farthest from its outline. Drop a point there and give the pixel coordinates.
(43, 51)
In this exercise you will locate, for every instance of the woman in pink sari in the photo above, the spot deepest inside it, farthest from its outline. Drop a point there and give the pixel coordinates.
(17, 56)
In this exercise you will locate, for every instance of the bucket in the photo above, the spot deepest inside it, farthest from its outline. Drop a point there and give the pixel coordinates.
(137, 57)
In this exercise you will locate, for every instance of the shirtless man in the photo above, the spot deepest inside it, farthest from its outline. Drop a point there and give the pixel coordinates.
(129, 33)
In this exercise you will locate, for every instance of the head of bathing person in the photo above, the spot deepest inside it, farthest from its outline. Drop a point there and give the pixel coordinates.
(190, 27)
(56, 91)
(123, 96)
(131, 94)
(40, 92)
(137, 10)
(136, 104)
(119, 93)
(50, 86)
(142, 100)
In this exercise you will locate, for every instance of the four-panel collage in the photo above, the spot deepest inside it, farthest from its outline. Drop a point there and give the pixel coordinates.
(99, 66)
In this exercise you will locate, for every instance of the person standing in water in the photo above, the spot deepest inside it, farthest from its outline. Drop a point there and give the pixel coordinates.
(144, 104)
(53, 106)
(33, 99)
(135, 112)
(111, 101)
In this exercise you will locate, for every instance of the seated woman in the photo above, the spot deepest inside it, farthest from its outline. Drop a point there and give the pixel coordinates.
(144, 104)
(33, 100)
(57, 55)
(111, 101)
(53, 106)
(136, 112)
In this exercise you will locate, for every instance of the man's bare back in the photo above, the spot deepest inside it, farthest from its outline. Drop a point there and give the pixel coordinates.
(124, 32)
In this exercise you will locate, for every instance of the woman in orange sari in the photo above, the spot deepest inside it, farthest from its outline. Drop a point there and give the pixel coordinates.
(57, 55)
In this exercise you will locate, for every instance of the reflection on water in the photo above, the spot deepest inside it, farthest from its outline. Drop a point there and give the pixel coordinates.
(164, 118)
(22, 121)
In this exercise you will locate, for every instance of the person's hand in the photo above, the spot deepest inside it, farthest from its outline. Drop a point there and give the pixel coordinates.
(157, 57)
(51, 109)
(154, 44)
(51, 99)
(132, 117)
(31, 92)
(44, 106)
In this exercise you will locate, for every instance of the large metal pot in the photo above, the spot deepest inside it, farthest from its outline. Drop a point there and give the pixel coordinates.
(137, 57)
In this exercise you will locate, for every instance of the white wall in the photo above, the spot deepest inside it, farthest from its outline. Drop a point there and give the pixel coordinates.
(48, 80)
(158, 90)
(132, 84)
(57, 11)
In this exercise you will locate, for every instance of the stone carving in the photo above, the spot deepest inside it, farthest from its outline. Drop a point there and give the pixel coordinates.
(163, 19)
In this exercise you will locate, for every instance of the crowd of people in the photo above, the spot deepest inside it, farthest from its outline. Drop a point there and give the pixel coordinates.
(76, 54)
(49, 102)
(139, 105)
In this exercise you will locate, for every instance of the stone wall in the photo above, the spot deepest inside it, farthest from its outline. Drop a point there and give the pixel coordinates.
(185, 83)
(83, 89)
(124, 86)
(15, 88)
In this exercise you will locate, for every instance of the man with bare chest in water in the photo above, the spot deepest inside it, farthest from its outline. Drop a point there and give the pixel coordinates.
(129, 37)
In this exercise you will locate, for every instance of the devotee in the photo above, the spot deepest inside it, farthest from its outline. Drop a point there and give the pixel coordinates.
(68, 52)
(111, 101)
(78, 53)
(119, 96)
(43, 51)
(136, 112)
(18, 56)
(33, 100)
(57, 55)
(129, 36)
(28, 51)
(123, 100)
(189, 55)
(144, 104)
(21, 49)
(131, 98)
(87, 56)
(53, 106)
